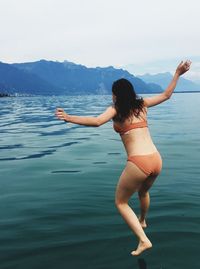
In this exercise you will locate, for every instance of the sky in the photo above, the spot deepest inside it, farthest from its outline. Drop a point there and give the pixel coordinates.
(101, 32)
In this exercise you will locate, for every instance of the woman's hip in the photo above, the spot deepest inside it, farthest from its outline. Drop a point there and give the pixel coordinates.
(150, 164)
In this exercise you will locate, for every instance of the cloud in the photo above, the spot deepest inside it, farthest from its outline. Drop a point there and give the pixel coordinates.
(98, 32)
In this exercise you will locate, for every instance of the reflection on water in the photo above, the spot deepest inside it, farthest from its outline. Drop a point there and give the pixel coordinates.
(142, 264)
(58, 182)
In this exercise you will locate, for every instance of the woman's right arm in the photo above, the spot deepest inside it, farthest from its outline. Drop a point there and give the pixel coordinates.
(157, 99)
(104, 117)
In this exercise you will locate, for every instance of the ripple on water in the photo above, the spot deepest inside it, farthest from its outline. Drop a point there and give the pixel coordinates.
(64, 145)
(15, 146)
(83, 138)
(32, 156)
(99, 162)
(65, 171)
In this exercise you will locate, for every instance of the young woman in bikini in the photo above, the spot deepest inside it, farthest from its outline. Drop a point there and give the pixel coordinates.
(144, 163)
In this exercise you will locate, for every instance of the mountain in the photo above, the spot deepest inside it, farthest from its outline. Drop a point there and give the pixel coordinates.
(14, 80)
(163, 79)
(78, 79)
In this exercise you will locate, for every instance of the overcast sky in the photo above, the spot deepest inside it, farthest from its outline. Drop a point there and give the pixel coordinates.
(99, 32)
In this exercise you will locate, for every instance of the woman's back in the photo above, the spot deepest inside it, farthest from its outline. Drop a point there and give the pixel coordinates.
(135, 134)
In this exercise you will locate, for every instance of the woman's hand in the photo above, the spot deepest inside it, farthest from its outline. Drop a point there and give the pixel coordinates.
(183, 67)
(61, 115)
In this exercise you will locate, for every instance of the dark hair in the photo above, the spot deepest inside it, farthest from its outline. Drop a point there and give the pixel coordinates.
(127, 102)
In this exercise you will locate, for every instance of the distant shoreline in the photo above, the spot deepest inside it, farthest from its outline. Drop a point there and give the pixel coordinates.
(176, 92)
(4, 95)
(24, 95)
(187, 92)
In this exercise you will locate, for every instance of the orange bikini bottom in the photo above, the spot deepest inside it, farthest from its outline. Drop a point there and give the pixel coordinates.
(150, 164)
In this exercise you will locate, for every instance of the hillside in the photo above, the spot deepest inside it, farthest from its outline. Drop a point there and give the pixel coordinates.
(78, 79)
(14, 80)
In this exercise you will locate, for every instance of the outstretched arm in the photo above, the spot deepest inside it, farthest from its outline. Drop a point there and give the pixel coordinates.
(157, 99)
(87, 121)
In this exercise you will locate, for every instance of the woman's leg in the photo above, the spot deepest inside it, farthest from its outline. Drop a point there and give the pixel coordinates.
(130, 181)
(145, 199)
(144, 207)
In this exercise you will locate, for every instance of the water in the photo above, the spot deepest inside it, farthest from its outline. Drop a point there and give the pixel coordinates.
(58, 182)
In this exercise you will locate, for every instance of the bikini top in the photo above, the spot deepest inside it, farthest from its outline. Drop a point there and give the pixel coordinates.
(121, 131)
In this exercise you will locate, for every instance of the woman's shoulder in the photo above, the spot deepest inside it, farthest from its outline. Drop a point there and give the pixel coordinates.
(145, 104)
(110, 112)
(112, 109)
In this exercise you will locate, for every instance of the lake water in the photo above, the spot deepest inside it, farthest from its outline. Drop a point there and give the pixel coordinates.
(58, 182)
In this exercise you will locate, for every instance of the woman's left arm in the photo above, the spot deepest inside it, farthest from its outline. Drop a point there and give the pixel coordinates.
(85, 120)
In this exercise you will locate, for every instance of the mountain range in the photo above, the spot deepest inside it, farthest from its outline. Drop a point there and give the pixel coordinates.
(60, 78)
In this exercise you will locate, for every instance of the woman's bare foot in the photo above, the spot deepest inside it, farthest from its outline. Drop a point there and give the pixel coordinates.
(143, 223)
(142, 246)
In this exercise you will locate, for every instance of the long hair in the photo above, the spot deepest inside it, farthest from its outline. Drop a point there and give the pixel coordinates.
(127, 102)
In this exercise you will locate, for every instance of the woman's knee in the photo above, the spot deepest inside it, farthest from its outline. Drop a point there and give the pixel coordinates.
(119, 202)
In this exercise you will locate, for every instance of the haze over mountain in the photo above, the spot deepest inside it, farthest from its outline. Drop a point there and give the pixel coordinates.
(166, 65)
(163, 79)
(52, 77)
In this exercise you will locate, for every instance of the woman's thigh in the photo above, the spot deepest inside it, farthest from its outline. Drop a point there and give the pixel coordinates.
(130, 181)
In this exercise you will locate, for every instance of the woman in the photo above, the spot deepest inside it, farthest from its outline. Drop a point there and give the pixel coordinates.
(144, 163)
